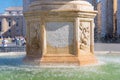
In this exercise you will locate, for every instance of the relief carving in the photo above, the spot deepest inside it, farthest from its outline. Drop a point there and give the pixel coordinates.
(84, 36)
(34, 37)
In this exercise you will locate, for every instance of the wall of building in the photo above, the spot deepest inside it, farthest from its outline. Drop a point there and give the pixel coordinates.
(108, 19)
(118, 18)
(12, 22)
(103, 17)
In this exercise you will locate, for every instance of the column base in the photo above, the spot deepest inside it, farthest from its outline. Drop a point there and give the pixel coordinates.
(61, 59)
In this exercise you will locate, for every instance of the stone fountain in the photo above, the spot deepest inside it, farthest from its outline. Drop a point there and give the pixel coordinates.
(60, 31)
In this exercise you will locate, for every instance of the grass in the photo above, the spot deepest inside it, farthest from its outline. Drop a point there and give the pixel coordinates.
(108, 71)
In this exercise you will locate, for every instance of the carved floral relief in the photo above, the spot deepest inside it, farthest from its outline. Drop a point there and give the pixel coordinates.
(84, 38)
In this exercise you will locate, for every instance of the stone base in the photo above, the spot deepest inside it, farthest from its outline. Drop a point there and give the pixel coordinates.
(53, 59)
(61, 59)
(87, 59)
(58, 30)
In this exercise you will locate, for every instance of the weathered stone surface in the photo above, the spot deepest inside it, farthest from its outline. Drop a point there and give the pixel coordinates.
(59, 34)
(104, 20)
(60, 31)
(118, 18)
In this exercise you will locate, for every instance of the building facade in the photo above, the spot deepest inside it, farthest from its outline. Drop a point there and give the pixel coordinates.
(108, 19)
(12, 22)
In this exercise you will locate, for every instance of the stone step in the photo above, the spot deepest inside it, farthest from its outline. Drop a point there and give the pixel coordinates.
(61, 58)
(87, 59)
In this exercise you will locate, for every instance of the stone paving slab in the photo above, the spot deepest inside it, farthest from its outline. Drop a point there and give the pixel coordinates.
(105, 48)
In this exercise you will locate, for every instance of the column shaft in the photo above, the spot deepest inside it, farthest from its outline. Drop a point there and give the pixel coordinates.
(4, 25)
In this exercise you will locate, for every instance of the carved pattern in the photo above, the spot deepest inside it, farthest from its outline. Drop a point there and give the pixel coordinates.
(34, 37)
(84, 36)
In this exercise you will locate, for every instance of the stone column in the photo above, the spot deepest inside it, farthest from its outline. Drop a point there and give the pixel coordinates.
(118, 18)
(103, 17)
(13, 27)
(76, 36)
(109, 17)
(99, 21)
(115, 16)
(4, 25)
(43, 35)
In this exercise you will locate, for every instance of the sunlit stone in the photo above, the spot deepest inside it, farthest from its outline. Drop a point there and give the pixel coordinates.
(60, 31)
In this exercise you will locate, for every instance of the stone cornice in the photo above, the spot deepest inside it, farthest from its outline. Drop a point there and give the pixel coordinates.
(60, 6)
(69, 13)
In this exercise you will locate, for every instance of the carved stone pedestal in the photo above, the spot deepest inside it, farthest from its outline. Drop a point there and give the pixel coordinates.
(60, 32)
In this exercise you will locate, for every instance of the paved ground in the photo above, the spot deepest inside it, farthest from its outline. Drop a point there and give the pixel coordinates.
(107, 48)
(99, 47)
